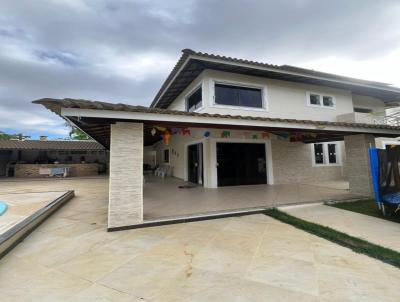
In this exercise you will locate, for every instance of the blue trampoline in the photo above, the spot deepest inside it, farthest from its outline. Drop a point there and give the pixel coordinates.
(385, 173)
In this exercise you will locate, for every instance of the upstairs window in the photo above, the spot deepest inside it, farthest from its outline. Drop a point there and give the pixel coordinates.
(238, 96)
(326, 154)
(362, 110)
(320, 100)
(194, 100)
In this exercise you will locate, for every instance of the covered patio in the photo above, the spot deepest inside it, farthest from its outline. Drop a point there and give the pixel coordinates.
(286, 164)
(164, 199)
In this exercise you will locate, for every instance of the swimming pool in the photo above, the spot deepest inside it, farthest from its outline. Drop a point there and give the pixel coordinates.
(3, 207)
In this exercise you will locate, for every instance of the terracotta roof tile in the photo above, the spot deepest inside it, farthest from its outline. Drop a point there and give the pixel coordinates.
(50, 145)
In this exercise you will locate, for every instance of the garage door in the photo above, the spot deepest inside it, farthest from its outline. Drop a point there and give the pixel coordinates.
(241, 164)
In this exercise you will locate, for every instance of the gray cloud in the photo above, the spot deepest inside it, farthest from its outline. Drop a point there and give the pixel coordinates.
(122, 51)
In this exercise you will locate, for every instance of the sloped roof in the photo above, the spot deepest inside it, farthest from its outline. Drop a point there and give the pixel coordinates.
(99, 127)
(72, 145)
(55, 105)
(192, 63)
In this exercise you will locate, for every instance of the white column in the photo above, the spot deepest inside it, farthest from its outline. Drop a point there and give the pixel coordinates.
(357, 163)
(126, 175)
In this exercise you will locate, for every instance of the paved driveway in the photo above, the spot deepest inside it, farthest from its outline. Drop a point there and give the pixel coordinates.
(379, 231)
(252, 258)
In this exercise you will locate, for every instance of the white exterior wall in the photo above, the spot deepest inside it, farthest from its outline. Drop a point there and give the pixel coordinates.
(368, 102)
(286, 162)
(283, 99)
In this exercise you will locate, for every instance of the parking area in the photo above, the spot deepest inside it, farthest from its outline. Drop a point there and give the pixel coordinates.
(71, 257)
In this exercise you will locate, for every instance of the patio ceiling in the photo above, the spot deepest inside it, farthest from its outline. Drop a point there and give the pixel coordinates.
(99, 129)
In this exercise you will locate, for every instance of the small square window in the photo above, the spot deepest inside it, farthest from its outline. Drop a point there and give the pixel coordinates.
(315, 99)
(328, 101)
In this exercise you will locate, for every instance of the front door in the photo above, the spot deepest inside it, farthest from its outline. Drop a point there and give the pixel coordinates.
(195, 163)
(241, 164)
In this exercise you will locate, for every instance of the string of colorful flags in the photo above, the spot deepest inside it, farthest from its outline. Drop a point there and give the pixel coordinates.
(166, 134)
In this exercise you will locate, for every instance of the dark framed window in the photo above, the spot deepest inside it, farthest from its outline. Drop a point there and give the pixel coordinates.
(332, 153)
(238, 96)
(362, 110)
(166, 156)
(319, 154)
(315, 99)
(326, 154)
(320, 100)
(194, 101)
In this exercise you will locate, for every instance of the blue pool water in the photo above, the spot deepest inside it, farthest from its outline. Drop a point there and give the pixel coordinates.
(3, 207)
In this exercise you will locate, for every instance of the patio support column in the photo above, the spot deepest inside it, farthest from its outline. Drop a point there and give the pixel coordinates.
(357, 163)
(126, 175)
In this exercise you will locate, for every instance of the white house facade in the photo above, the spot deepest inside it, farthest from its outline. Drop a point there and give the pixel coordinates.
(222, 122)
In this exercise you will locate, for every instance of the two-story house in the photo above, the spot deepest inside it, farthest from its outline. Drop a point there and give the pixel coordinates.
(219, 124)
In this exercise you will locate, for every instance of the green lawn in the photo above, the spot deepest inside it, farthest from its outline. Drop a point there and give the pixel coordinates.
(367, 207)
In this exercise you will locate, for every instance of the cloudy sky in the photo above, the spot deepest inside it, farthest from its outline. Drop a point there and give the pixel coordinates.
(121, 51)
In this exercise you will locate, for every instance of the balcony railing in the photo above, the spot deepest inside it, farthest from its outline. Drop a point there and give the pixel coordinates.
(375, 118)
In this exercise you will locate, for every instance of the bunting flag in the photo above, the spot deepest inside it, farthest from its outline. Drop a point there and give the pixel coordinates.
(225, 134)
(166, 137)
(153, 131)
(185, 131)
(161, 129)
(283, 136)
(265, 135)
(207, 134)
(175, 130)
(255, 136)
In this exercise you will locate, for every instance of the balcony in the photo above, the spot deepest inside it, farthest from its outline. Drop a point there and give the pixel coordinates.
(375, 118)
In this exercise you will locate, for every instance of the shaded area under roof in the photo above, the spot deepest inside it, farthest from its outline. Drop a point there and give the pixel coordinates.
(73, 145)
(99, 128)
(192, 63)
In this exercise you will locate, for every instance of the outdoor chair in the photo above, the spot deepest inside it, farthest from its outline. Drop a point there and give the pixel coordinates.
(163, 171)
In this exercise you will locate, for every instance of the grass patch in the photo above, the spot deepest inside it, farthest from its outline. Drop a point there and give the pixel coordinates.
(356, 244)
(366, 207)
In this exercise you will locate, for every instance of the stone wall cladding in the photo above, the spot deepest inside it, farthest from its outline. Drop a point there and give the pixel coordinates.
(32, 170)
(357, 163)
(126, 175)
(292, 163)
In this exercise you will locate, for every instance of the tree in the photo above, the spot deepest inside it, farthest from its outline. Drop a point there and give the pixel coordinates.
(6, 136)
(78, 134)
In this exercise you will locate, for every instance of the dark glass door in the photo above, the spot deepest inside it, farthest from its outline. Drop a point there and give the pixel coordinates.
(241, 164)
(195, 163)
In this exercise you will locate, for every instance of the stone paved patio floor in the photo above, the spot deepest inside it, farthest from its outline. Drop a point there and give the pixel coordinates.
(379, 231)
(71, 257)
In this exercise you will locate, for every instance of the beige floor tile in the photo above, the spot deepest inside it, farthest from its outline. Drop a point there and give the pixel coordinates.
(286, 273)
(199, 286)
(248, 258)
(99, 293)
(142, 277)
(95, 264)
(251, 291)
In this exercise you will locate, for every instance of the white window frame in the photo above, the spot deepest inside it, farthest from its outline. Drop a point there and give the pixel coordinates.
(326, 155)
(263, 89)
(321, 97)
(189, 94)
(169, 156)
